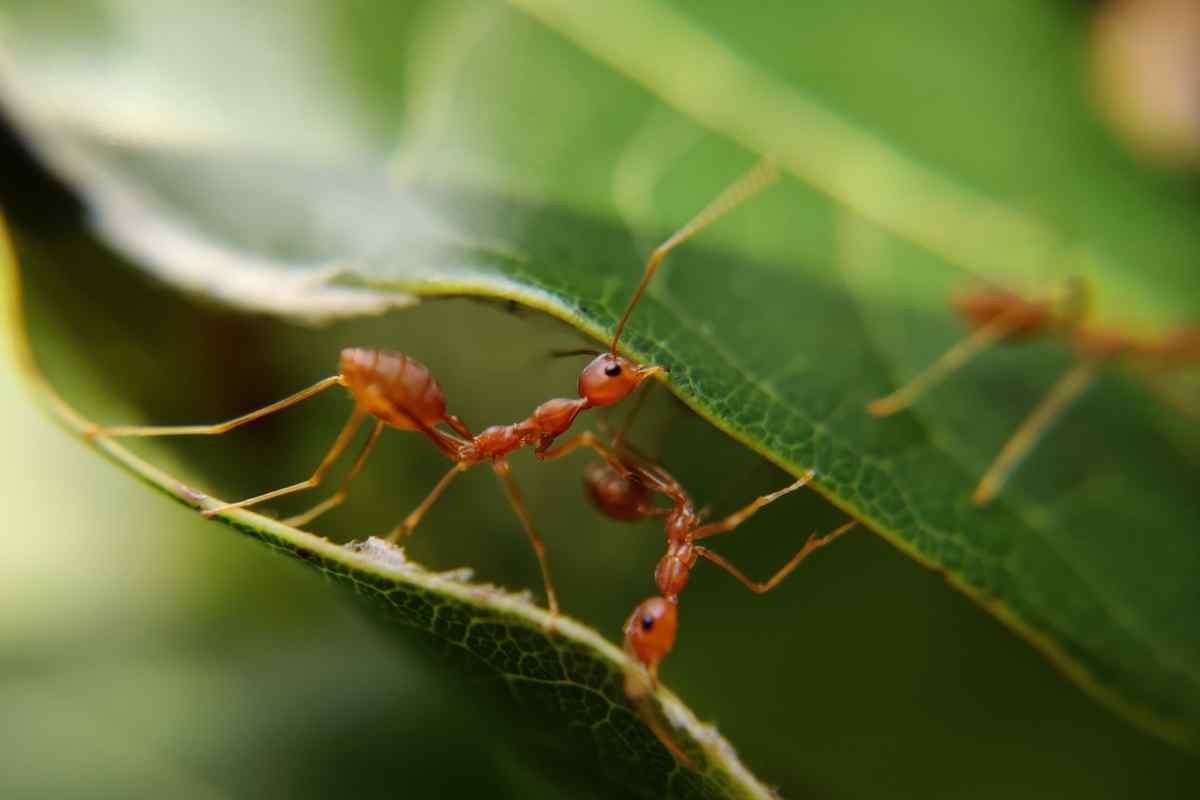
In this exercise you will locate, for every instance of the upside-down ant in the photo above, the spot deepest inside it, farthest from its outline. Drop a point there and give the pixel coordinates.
(650, 630)
(997, 315)
(400, 392)
(622, 489)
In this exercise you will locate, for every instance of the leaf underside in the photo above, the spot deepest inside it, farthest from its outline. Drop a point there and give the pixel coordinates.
(562, 672)
(1090, 553)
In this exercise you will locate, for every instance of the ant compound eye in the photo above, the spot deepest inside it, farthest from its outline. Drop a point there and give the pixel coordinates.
(647, 621)
(612, 370)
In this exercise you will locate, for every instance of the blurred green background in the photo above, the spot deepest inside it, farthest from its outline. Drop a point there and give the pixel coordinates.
(144, 652)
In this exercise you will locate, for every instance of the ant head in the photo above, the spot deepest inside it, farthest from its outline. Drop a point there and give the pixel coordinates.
(650, 631)
(616, 496)
(609, 378)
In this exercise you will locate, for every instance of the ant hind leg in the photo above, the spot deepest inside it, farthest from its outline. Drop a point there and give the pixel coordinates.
(585, 439)
(217, 428)
(339, 496)
(339, 444)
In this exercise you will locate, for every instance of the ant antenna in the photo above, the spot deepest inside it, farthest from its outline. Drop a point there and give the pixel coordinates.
(761, 175)
(577, 351)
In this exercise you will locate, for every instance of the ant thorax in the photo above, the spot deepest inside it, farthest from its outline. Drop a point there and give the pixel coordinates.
(552, 418)
(492, 441)
(679, 523)
(671, 574)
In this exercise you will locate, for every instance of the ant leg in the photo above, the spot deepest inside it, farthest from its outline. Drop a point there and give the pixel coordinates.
(459, 427)
(586, 439)
(220, 427)
(1071, 298)
(339, 496)
(738, 517)
(755, 180)
(1034, 428)
(339, 444)
(958, 355)
(413, 519)
(762, 587)
(651, 475)
(504, 472)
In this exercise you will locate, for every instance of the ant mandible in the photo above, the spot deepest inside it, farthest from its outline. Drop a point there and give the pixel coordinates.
(401, 392)
(998, 314)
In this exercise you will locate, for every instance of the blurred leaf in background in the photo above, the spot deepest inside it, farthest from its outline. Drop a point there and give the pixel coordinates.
(353, 154)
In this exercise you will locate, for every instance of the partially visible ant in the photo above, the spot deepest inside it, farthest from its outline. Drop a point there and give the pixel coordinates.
(623, 489)
(1001, 315)
(400, 392)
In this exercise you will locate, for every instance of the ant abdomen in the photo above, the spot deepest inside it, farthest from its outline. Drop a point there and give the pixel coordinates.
(394, 387)
(674, 569)
(615, 495)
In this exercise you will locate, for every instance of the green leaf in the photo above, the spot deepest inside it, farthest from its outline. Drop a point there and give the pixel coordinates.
(569, 673)
(781, 337)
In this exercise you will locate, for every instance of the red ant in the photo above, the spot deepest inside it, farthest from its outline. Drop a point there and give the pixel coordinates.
(622, 492)
(621, 489)
(401, 392)
(998, 314)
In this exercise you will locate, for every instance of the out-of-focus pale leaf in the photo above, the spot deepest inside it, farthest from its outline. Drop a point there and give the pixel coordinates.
(1090, 553)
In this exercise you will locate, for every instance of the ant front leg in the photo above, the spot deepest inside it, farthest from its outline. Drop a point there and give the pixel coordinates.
(585, 439)
(504, 473)
(738, 517)
(762, 587)
(414, 518)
